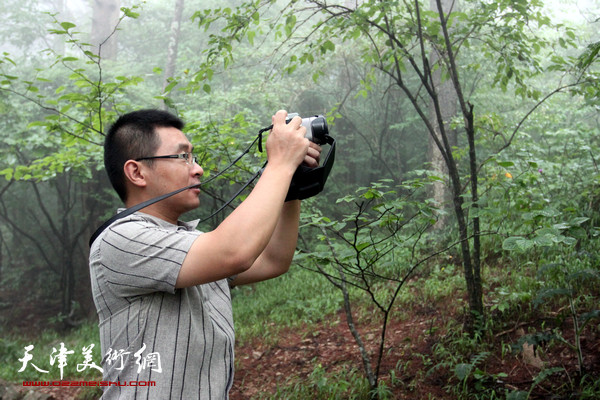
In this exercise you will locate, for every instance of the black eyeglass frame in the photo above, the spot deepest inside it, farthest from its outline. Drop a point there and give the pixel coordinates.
(190, 158)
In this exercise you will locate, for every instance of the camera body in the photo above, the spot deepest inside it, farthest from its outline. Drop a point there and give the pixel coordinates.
(308, 182)
(316, 127)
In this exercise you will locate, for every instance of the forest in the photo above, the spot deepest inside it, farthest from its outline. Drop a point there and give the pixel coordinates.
(453, 252)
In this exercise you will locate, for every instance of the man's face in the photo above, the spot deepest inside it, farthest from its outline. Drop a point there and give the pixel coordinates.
(170, 174)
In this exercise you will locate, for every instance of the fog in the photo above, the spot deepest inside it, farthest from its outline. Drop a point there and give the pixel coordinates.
(59, 95)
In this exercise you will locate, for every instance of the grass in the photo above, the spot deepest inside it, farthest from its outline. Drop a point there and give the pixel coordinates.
(295, 299)
(320, 385)
(47, 344)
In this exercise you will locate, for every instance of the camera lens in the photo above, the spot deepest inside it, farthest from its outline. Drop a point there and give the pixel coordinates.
(319, 129)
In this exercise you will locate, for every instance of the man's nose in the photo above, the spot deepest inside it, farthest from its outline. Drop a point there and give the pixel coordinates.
(197, 170)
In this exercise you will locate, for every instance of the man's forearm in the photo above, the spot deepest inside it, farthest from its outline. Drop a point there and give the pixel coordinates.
(282, 245)
(237, 243)
(279, 252)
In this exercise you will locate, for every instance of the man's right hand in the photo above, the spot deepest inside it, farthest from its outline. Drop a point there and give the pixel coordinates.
(286, 144)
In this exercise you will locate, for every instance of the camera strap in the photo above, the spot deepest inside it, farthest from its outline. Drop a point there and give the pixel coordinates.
(147, 203)
(135, 208)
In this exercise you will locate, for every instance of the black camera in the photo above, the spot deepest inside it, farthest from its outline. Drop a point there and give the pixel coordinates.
(316, 127)
(308, 182)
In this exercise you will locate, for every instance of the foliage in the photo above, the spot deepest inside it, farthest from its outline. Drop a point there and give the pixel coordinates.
(60, 145)
(359, 251)
(537, 193)
(470, 371)
(396, 40)
(76, 108)
(574, 284)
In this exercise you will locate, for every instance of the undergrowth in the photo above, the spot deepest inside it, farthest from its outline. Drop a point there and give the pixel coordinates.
(298, 298)
(542, 299)
(39, 359)
(321, 385)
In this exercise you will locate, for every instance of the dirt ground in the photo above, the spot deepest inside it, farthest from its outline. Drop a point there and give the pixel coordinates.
(409, 351)
(261, 368)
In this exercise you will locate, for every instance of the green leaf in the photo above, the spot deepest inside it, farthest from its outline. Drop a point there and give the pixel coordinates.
(547, 212)
(8, 173)
(290, 23)
(462, 371)
(67, 25)
(362, 246)
(590, 315)
(174, 83)
(328, 46)
(506, 164)
(517, 243)
(129, 13)
(578, 221)
(251, 35)
(544, 240)
(569, 241)
(36, 123)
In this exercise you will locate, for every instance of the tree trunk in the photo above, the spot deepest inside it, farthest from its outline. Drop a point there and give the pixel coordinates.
(104, 23)
(471, 257)
(447, 100)
(58, 41)
(173, 47)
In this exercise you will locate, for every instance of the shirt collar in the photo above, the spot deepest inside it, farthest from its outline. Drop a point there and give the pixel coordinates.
(189, 225)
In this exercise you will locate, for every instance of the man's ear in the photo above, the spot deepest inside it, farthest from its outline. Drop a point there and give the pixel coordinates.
(135, 172)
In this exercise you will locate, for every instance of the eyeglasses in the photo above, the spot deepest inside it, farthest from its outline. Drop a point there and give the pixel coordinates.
(189, 158)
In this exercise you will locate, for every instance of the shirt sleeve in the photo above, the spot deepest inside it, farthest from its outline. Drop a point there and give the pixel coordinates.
(139, 257)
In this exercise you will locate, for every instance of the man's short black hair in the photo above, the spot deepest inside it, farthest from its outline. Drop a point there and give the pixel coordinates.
(133, 136)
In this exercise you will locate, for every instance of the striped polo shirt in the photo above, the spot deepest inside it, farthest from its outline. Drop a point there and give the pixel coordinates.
(158, 342)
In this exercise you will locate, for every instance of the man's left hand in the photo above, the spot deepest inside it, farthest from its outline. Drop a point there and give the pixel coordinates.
(313, 156)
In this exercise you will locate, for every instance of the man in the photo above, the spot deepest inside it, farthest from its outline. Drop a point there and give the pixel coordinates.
(161, 288)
